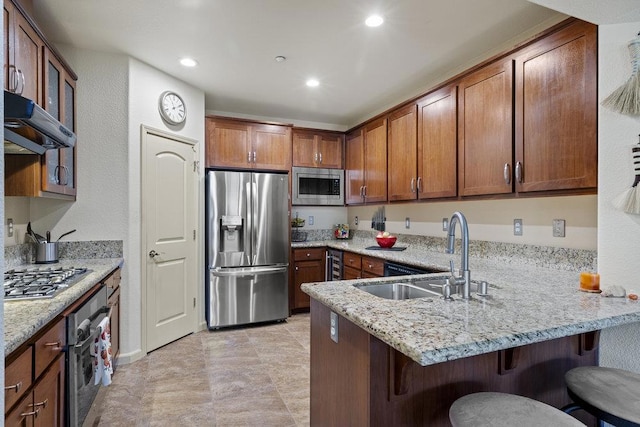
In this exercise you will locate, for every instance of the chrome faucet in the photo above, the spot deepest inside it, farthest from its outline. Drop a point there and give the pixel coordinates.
(464, 280)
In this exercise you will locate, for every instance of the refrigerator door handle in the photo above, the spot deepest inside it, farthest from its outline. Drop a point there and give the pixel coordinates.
(247, 271)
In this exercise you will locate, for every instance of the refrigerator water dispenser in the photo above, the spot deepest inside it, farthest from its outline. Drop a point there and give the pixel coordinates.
(231, 238)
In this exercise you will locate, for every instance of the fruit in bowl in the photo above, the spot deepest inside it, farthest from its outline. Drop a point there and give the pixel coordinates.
(386, 240)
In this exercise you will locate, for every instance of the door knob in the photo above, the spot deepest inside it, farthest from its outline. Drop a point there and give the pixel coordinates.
(153, 253)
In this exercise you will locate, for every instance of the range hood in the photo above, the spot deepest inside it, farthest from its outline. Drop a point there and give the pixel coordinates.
(29, 129)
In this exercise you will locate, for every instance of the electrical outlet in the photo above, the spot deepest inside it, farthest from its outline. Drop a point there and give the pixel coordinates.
(558, 227)
(445, 224)
(310, 219)
(407, 222)
(9, 227)
(334, 327)
(517, 227)
(355, 221)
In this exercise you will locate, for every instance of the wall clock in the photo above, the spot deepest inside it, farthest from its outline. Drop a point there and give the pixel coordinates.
(172, 108)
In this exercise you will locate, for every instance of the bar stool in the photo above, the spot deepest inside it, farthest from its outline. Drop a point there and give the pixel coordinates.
(611, 395)
(506, 410)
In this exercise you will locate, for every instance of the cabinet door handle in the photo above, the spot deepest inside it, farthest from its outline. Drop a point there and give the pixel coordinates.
(248, 156)
(364, 191)
(66, 175)
(419, 189)
(42, 404)
(15, 387)
(315, 157)
(296, 268)
(23, 82)
(519, 172)
(254, 157)
(413, 180)
(320, 155)
(506, 172)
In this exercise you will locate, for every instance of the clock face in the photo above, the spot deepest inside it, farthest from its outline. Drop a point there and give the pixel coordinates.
(172, 108)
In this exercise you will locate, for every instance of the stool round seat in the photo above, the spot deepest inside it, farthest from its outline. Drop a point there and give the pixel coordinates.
(506, 410)
(612, 395)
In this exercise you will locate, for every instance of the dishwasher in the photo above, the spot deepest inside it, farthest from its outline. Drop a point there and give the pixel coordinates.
(393, 269)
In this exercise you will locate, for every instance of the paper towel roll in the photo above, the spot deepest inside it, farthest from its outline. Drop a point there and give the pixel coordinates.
(84, 330)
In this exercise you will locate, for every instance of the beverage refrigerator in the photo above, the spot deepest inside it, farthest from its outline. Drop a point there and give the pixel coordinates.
(247, 247)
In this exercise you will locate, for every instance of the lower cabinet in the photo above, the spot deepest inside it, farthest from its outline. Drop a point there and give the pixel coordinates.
(43, 404)
(113, 285)
(308, 266)
(361, 267)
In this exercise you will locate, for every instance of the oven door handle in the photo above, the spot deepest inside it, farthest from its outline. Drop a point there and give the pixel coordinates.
(78, 347)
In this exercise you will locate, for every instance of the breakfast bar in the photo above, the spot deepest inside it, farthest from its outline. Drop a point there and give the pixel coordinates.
(405, 361)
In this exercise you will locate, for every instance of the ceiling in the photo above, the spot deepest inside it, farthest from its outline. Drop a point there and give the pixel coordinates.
(361, 70)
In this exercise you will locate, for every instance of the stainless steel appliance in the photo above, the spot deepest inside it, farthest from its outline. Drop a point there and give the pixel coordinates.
(393, 269)
(334, 265)
(29, 129)
(82, 329)
(317, 186)
(40, 282)
(247, 245)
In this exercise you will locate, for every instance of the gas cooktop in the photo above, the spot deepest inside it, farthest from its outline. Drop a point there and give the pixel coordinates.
(40, 282)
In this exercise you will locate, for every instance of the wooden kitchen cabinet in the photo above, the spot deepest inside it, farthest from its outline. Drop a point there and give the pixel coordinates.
(437, 144)
(247, 145)
(23, 55)
(485, 136)
(308, 266)
(556, 144)
(317, 149)
(372, 267)
(402, 146)
(366, 164)
(42, 404)
(113, 286)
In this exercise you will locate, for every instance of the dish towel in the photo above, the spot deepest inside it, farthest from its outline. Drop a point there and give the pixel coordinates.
(102, 350)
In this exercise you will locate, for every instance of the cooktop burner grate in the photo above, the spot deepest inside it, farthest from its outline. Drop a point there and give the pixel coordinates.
(40, 282)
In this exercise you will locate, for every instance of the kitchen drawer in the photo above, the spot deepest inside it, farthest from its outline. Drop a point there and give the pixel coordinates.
(374, 266)
(352, 260)
(17, 377)
(308, 254)
(349, 273)
(49, 346)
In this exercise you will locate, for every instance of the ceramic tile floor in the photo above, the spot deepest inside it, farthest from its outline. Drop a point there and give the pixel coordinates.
(255, 376)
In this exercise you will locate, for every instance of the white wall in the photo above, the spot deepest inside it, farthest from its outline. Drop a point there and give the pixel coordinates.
(145, 86)
(618, 232)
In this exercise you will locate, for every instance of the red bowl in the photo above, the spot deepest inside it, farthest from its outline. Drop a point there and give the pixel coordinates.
(386, 242)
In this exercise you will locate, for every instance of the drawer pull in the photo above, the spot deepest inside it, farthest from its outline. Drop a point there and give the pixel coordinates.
(15, 387)
(370, 266)
(54, 345)
(308, 254)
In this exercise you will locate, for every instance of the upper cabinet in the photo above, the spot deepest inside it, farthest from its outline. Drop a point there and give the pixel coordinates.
(240, 144)
(34, 70)
(317, 149)
(366, 164)
(402, 148)
(556, 112)
(437, 144)
(23, 49)
(485, 135)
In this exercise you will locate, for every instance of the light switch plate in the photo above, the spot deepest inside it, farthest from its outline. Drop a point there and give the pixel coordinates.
(355, 221)
(9, 227)
(334, 327)
(558, 228)
(517, 227)
(311, 219)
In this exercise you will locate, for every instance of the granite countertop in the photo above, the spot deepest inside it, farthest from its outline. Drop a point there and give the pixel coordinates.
(527, 304)
(23, 319)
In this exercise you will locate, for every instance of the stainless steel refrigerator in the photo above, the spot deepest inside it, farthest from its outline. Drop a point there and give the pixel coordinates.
(247, 246)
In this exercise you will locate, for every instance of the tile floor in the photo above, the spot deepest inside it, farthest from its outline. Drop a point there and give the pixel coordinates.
(255, 376)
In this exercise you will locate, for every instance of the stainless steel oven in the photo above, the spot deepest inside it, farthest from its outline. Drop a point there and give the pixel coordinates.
(317, 186)
(82, 329)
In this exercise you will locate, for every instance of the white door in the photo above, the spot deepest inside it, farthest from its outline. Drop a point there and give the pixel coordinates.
(169, 215)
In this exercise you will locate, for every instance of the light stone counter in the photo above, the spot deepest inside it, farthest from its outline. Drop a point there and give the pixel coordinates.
(527, 303)
(23, 319)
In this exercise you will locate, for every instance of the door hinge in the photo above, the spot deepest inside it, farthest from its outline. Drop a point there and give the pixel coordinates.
(196, 165)
(194, 303)
(194, 234)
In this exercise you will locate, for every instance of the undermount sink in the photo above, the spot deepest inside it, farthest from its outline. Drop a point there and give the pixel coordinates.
(399, 291)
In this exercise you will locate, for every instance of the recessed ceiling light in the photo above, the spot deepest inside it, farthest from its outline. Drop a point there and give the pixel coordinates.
(188, 62)
(313, 83)
(374, 21)
(280, 58)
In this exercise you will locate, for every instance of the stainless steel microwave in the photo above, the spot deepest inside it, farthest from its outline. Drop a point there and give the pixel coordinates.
(316, 186)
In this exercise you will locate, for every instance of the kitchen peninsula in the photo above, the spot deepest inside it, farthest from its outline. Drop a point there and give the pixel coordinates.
(404, 362)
